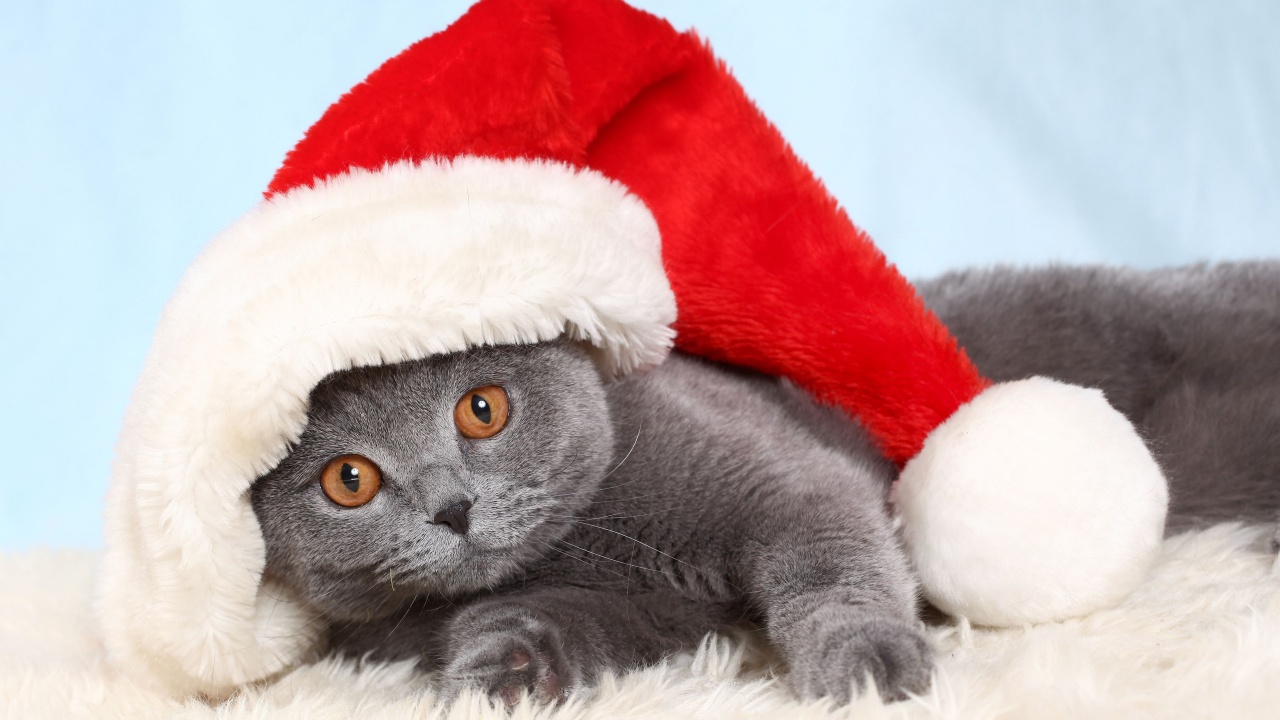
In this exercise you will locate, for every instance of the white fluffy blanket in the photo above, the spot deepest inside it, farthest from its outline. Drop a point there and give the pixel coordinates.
(1200, 640)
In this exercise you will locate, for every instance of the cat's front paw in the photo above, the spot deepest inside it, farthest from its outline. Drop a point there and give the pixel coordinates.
(837, 648)
(516, 653)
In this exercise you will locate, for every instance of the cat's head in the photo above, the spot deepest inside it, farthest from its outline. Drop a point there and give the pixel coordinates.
(477, 458)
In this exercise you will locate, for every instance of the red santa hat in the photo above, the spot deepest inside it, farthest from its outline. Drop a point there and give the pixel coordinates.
(551, 167)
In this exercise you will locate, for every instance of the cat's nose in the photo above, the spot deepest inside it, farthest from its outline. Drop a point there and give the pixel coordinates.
(455, 516)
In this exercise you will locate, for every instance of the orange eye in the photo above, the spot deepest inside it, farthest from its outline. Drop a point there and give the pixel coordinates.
(482, 412)
(351, 480)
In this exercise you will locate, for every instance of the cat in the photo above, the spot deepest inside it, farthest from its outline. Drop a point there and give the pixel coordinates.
(607, 526)
(534, 526)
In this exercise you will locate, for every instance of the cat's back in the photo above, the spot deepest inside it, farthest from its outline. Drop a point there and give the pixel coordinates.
(1131, 332)
(1081, 318)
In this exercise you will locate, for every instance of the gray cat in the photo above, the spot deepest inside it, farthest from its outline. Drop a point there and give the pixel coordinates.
(508, 518)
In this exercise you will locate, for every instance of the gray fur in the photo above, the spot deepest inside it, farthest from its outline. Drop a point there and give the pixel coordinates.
(602, 537)
(1190, 355)
(615, 524)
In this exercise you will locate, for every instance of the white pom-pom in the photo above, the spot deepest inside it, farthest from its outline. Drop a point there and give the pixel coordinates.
(1035, 502)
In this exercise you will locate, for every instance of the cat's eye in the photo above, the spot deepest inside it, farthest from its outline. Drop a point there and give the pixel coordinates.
(481, 412)
(351, 480)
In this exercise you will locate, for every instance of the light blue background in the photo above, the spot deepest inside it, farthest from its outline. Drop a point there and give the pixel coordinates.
(956, 133)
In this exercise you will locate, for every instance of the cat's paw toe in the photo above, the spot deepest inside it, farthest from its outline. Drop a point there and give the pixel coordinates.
(507, 666)
(536, 673)
(845, 653)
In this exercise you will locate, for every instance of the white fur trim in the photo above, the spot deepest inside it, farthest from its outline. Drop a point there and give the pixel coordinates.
(1037, 501)
(367, 268)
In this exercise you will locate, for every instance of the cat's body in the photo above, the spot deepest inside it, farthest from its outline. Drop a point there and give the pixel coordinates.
(723, 496)
(614, 524)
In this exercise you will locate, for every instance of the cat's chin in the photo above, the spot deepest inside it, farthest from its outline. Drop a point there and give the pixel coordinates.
(481, 568)
(357, 606)
(442, 565)
(483, 572)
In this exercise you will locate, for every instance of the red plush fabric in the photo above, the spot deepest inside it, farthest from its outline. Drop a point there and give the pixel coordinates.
(495, 83)
(768, 271)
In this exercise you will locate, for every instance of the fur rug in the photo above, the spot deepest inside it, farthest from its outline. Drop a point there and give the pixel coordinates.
(1200, 639)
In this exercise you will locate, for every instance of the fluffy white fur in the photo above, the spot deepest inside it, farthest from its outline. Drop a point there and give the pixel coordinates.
(1199, 639)
(367, 268)
(1036, 501)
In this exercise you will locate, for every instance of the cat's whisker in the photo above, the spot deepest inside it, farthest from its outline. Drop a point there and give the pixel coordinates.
(319, 616)
(369, 616)
(623, 517)
(591, 491)
(600, 484)
(622, 562)
(571, 464)
(584, 561)
(612, 500)
(696, 569)
(634, 442)
(407, 608)
(337, 584)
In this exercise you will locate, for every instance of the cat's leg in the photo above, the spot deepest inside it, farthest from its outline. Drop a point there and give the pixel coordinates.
(836, 595)
(550, 641)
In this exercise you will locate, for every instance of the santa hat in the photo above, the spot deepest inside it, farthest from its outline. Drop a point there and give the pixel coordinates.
(552, 167)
